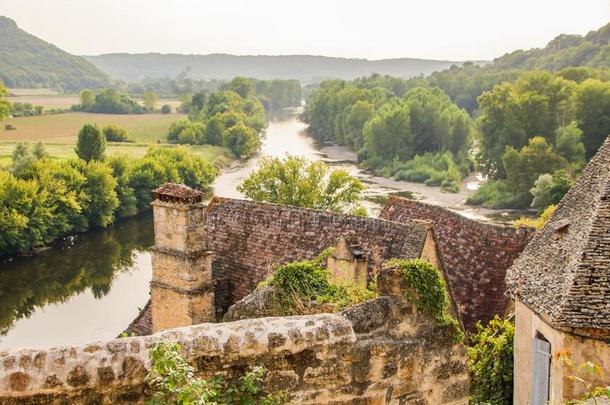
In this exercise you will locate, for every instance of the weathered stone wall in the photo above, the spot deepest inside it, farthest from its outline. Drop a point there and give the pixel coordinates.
(381, 351)
(475, 256)
(248, 238)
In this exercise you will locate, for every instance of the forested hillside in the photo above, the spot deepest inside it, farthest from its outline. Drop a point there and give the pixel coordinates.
(29, 62)
(306, 69)
(565, 50)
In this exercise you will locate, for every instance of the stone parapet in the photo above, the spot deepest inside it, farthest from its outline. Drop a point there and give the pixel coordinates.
(382, 351)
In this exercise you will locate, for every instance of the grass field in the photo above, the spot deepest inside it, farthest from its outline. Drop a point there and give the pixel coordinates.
(214, 154)
(50, 101)
(142, 128)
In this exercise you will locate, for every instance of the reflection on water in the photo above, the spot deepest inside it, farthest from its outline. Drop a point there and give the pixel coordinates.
(85, 288)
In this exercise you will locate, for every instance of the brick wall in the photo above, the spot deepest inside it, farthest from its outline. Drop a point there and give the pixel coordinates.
(475, 256)
(248, 238)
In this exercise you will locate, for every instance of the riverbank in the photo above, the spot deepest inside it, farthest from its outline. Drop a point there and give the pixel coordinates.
(377, 185)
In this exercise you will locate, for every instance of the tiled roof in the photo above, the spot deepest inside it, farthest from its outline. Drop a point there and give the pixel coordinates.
(564, 273)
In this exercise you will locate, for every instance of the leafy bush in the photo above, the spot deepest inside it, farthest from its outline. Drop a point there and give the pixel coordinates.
(173, 380)
(496, 194)
(490, 363)
(10, 127)
(428, 291)
(538, 222)
(166, 109)
(432, 169)
(299, 284)
(114, 133)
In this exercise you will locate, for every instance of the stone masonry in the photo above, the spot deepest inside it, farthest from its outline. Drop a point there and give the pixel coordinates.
(382, 351)
(182, 288)
(475, 256)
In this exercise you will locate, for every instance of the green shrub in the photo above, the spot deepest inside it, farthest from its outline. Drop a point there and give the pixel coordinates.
(428, 291)
(490, 363)
(173, 381)
(114, 133)
(9, 127)
(300, 283)
(166, 109)
(496, 194)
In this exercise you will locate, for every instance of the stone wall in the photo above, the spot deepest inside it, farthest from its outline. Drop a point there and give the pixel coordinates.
(381, 351)
(248, 238)
(475, 256)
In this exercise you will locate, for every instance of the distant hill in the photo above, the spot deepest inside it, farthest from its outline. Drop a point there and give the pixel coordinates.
(29, 62)
(565, 50)
(307, 69)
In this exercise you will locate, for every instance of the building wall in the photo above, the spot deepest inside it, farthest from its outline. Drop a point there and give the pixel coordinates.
(527, 325)
(249, 238)
(381, 351)
(475, 256)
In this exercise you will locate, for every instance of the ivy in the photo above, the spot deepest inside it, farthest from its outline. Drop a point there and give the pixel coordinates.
(490, 363)
(173, 381)
(427, 290)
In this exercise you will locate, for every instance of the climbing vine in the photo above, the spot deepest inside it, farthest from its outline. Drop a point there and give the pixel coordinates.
(427, 290)
(490, 363)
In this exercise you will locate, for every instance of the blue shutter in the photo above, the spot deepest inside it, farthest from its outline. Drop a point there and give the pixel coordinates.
(541, 364)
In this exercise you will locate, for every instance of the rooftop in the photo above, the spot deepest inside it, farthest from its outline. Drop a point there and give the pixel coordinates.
(563, 274)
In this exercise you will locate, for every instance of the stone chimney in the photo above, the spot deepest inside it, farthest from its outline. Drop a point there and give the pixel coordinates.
(182, 290)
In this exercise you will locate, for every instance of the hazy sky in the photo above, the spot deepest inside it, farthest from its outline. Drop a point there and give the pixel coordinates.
(374, 29)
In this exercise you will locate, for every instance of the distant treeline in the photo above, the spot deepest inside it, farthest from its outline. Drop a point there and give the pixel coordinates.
(398, 128)
(108, 101)
(533, 132)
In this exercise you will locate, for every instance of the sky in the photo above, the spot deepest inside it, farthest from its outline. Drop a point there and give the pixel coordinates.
(432, 29)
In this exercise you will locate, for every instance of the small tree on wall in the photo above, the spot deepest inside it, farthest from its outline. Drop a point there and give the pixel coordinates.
(91, 143)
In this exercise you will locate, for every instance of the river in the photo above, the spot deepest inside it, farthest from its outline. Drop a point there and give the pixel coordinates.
(91, 286)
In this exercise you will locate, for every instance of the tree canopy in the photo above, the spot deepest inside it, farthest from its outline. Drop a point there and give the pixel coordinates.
(298, 182)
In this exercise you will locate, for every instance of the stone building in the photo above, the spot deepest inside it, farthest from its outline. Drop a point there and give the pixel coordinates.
(561, 288)
(206, 259)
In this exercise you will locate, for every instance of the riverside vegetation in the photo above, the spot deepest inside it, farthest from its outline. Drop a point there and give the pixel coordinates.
(45, 199)
(233, 117)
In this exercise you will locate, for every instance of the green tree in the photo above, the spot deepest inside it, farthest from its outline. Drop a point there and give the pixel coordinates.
(5, 107)
(242, 86)
(91, 144)
(568, 143)
(523, 167)
(214, 131)
(549, 189)
(39, 151)
(297, 182)
(100, 187)
(21, 159)
(166, 109)
(114, 133)
(388, 134)
(87, 99)
(592, 112)
(150, 100)
(242, 140)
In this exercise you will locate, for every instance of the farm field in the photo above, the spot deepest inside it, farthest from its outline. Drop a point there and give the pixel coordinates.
(142, 128)
(49, 101)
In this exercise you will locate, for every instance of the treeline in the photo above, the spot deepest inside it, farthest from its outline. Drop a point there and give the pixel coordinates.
(234, 118)
(44, 199)
(538, 133)
(565, 50)
(110, 101)
(397, 128)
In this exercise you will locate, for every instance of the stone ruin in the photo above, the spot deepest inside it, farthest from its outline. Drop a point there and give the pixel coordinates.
(206, 259)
